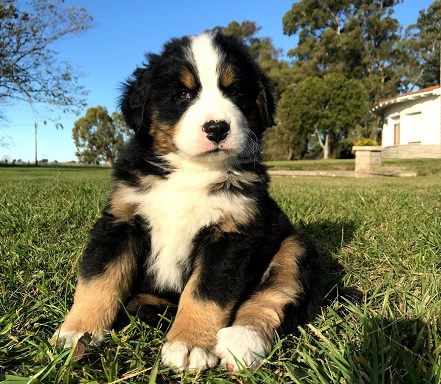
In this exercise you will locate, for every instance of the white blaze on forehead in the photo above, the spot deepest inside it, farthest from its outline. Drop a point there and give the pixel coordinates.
(207, 59)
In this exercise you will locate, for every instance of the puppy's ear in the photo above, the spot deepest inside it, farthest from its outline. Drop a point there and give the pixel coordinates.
(134, 100)
(265, 103)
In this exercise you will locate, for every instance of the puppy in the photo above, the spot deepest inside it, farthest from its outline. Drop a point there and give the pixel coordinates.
(189, 223)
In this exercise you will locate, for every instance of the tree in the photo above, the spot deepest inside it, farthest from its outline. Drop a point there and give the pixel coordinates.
(280, 143)
(424, 38)
(99, 137)
(287, 140)
(358, 38)
(29, 69)
(328, 108)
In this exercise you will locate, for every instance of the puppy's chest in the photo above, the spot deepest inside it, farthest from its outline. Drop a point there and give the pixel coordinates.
(176, 210)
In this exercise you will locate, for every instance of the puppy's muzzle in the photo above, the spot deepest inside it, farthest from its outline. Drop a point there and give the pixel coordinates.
(216, 130)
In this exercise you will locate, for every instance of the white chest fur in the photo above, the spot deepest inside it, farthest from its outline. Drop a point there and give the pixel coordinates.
(177, 208)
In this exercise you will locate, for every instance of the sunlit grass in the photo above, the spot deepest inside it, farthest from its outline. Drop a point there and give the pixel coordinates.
(381, 236)
(423, 167)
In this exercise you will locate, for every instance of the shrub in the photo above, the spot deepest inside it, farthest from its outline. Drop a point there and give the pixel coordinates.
(365, 142)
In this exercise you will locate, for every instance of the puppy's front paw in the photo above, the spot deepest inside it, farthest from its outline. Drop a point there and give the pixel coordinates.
(239, 345)
(201, 358)
(69, 339)
(180, 356)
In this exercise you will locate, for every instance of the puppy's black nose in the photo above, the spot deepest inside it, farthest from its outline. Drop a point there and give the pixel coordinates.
(216, 130)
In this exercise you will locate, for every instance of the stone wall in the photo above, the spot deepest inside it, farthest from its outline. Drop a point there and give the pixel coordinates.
(367, 159)
(412, 151)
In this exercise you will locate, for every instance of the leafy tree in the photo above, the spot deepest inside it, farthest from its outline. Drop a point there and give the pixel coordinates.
(287, 140)
(328, 108)
(99, 137)
(424, 38)
(280, 143)
(29, 69)
(358, 38)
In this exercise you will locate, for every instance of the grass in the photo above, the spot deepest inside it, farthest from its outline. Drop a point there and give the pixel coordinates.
(381, 236)
(423, 167)
(313, 165)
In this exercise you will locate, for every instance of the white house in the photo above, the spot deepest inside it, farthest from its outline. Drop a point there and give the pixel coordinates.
(411, 124)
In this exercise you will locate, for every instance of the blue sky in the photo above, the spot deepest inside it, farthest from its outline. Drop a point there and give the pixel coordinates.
(124, 31)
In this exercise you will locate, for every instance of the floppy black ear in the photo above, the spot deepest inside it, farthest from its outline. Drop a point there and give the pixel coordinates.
(265, 103)
(134, 100)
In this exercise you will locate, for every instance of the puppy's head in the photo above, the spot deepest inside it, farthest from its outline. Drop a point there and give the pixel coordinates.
(203, 97)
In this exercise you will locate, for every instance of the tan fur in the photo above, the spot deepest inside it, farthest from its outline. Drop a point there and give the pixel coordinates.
(264, 310)
(232, 222)
(97, 301)
(162, 137)
(146, 182)
(122, 206)
(150, 299)
(263, 107)
(197, 321)
(228, 77)
(188, 80)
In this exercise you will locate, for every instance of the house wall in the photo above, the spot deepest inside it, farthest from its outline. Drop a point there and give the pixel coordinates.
(419, 122)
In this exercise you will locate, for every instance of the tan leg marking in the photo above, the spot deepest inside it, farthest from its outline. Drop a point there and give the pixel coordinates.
(96, 302)
(197, 321)
(264, 310)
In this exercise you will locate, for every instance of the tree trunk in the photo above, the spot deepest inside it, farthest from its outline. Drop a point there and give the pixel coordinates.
(326, 148)
(324, 145)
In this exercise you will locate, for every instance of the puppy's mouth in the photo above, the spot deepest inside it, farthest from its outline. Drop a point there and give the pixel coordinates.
(218, 151)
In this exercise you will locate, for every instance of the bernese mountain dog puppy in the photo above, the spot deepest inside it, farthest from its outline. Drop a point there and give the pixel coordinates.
(190, 224)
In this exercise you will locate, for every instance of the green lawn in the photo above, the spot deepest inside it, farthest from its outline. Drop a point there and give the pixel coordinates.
(381, 236)
(422, 167)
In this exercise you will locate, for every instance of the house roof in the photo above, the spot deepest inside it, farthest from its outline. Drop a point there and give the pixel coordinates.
(421, 93)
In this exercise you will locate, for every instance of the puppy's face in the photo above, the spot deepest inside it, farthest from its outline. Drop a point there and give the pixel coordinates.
(203, 97)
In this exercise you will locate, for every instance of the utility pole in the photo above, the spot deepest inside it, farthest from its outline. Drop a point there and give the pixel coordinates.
(35, 140)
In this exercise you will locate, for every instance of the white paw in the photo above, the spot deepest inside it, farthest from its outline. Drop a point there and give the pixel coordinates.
(239, 346)
(201, 358)
(175, 354)
(180, 356)
(69, 339)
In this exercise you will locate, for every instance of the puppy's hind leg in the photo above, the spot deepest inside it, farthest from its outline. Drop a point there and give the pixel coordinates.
(280, 303)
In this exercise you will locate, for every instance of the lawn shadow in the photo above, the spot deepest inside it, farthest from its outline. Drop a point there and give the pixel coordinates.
(330, 238)
(396, 351)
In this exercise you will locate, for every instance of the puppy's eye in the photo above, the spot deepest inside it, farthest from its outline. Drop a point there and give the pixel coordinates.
(184, 94)
(233, 91)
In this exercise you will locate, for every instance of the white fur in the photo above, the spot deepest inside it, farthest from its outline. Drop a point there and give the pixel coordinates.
(175, 355)
(240, 345)
(180, 356)
(211, 104)
(177, 208)
(69, 339)
(201, 359)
